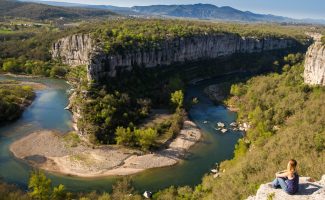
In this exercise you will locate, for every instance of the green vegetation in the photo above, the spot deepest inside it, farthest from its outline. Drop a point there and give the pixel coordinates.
(115, 35)
(72, 139)
(323, 40)
(14, 97)
(44, 12)
(34, 67)
(119, 36)
(143, 138)
(282, 110)
(40, 188)
(287, 121)
(25, 49)
(125, 101)
(270, 196)
(177, 98)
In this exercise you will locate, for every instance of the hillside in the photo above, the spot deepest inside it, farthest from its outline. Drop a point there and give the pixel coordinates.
(286, 120)
(207, 11)
(11, 8)
(196, 11)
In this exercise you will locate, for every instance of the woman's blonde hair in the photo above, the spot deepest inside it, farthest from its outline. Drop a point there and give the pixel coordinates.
(292, 165)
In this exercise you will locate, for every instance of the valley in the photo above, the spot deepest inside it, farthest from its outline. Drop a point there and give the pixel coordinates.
(99, 104)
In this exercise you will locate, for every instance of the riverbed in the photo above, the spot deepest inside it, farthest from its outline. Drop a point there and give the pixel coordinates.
(47, 112)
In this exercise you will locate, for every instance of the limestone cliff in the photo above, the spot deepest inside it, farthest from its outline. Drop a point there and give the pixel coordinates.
(73, 50)
(315, 64)
(80, 49)
(307, 190)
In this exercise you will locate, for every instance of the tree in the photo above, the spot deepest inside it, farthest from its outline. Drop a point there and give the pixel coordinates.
(10, 65)
(59, 193)
(58, 71)
(237, 89)
(123, 189)
(177, 98)
(39, 186)
(104, 196)
(146, 137)
(124, 136)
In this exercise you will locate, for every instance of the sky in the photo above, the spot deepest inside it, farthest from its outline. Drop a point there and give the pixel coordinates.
(289, 8)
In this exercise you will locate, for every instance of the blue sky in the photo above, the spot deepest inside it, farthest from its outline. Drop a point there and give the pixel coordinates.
(290, 8)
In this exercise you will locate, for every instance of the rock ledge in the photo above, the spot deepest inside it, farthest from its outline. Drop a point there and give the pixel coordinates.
(307, 191)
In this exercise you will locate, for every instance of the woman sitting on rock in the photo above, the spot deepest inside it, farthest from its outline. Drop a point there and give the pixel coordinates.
(288, 179)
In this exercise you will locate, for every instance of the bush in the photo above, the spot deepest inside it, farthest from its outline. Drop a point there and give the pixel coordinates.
(177, 98)
(124, 136)
(41, 187)
(323, 40)
(146, 137)
(143, 138)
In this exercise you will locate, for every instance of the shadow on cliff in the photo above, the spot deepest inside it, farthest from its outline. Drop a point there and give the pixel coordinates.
(307, 188)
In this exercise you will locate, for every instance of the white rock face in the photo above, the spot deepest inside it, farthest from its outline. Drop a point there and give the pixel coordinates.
(73, 50)
(80, 50)
(307, 191)
(315, 64)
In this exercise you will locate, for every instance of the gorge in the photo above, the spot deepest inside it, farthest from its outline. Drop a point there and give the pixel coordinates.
(123, 74)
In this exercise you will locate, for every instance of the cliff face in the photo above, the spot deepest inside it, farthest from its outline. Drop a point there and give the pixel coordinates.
(315, 64)
(73, 50)
(80, 49)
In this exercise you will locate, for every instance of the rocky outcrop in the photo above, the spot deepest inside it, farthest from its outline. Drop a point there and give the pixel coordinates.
(314, 73)
(308, 190)
(80, 50)
(73, 50)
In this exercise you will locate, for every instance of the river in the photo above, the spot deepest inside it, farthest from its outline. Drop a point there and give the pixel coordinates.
(47, 112)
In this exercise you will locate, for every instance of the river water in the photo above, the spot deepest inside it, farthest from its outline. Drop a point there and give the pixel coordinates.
(47, 112)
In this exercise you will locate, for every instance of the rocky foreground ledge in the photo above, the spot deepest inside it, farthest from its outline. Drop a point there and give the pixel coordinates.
(308, 190)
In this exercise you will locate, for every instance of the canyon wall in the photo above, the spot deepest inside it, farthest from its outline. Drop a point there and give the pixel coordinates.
(314, 73)
(80, 49)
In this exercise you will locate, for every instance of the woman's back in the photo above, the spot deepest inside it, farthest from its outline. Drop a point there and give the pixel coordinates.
(293, 184)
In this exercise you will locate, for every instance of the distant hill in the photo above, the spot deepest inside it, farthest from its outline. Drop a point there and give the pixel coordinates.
(207, 11)
(41, 11)
(120, 10)
(196, 11)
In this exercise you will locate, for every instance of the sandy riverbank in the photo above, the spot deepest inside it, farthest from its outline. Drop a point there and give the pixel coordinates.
(52, 152)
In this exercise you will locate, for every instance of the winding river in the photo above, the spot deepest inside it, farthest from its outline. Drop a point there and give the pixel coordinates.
(47, 112)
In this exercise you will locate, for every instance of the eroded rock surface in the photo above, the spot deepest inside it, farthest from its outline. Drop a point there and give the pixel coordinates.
(307, 191)
(79, 49)
(314, 73)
